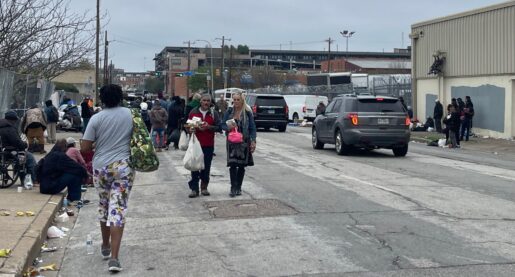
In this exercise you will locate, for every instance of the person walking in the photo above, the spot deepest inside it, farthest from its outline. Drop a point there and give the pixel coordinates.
(468, 113)
(320, 108)
(33, 125)
(221, 105)
(113, 175)
(239, 155)
(145, 116)
(52, 116)
(193, 103)
(158, 119)
(175, 115)
(437, 115)
(206, 137)
(86, 113)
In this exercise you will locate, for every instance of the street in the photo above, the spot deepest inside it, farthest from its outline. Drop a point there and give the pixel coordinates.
(311, 212)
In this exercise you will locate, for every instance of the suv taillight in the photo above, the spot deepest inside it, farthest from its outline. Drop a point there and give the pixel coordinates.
(304, 109)
(254, 109)
(353, 118)
(408, 121)
(286, 111)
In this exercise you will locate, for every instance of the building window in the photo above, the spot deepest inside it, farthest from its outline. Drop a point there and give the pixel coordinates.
(176, 61)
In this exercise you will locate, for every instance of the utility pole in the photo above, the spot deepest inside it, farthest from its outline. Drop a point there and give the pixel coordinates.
(223, 39)
(329, 41)
(97, 54)
(229, 84)
(106, 59)
(189, 68)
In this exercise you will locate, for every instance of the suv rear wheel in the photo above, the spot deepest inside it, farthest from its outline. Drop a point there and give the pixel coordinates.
(341, 147)
(400, 151)
(282, 128)
(314, 140)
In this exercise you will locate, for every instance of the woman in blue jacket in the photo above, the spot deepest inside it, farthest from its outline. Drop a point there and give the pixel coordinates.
(239, 155)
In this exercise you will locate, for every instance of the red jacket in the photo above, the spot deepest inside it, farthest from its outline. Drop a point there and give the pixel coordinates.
(207, 137)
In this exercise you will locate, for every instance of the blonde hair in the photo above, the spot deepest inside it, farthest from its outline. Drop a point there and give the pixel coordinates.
(243, 101)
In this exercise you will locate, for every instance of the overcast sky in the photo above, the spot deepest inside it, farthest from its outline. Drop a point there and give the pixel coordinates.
(140, 29)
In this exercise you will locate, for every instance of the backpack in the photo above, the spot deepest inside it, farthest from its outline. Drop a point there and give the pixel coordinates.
(143, 156)
(144, 116)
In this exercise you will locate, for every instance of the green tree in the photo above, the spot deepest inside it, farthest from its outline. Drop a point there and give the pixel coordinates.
(242, 49)
(154, 85)
(199, 80)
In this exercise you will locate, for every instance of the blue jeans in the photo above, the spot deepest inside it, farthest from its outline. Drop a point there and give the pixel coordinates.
(30, 165)
(158, 137)
(203, 174)
(67, 180)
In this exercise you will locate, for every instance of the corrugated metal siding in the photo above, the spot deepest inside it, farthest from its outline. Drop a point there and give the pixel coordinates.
(479, 44)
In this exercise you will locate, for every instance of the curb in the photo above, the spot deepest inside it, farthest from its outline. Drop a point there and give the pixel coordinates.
(28, 247)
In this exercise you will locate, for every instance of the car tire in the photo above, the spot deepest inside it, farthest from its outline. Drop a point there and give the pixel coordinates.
(340, 146)
(400, 151)
(282, 128)
(315, 141)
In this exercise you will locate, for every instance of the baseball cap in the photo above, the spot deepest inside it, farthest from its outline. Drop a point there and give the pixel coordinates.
(12, 115)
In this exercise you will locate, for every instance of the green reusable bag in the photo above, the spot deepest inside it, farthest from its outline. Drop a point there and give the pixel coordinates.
(143, 155)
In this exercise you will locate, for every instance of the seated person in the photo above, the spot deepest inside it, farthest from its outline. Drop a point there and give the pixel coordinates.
(11, 141)
(73, 152)
(56, 171)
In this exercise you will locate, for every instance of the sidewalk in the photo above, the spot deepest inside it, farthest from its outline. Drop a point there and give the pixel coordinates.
(479, 144)
(25, 234)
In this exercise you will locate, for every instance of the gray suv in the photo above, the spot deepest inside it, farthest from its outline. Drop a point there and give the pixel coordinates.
(365, 122)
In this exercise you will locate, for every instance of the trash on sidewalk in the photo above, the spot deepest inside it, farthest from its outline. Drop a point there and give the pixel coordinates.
(70, 212)
(53, 203)
(54, 232)
(62, 218)
(29, 213)
(5, 213)
(50, 267)
(48, 249)
(20, 214)
(4, 253)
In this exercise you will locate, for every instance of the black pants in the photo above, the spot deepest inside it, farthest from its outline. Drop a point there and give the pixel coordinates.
(438, 124)
(67, 180)
(237, 173)
(203, 174)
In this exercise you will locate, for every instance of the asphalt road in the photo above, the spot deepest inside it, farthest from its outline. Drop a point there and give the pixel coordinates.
(435, 212)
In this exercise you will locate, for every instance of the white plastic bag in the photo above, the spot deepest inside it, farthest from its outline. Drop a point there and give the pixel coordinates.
(183, 141)
(54, 232)
(441, 142)
(194, 158)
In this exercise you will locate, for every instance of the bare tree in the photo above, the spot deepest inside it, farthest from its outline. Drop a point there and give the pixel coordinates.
(43, 37)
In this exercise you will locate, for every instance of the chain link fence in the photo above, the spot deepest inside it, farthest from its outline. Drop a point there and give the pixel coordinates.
(395, 86)
(19, 91)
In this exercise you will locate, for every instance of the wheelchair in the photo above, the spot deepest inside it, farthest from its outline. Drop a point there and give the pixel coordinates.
(12, 167)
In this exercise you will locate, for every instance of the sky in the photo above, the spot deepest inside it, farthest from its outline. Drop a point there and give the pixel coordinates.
(140, 29)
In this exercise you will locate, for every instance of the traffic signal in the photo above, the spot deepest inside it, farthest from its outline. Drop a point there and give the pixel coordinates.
(157, 73)
(179, 74)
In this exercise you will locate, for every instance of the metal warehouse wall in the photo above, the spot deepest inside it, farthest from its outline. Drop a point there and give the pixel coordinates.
(480, 42)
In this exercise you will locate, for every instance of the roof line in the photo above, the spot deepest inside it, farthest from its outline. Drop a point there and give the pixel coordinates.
(464, 14)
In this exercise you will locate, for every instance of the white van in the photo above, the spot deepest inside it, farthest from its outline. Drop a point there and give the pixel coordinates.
(227, 93)
(302, 107)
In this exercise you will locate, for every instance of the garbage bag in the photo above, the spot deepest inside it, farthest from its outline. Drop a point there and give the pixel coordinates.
(183, 141)
(194, 157)
(441, 142)
(54, 232)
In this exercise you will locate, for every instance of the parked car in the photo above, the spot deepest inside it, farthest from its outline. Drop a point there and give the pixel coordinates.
(270, 110)
(363, 121)
(302, 107)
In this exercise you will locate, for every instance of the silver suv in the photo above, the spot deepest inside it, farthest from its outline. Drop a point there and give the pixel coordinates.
(369, 122)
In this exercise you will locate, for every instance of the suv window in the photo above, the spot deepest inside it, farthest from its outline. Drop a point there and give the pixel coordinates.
(330, 106)
(379, 105)
(270, 101)
(336, 107)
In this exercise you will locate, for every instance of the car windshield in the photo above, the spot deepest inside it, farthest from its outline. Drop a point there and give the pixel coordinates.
(380, 105)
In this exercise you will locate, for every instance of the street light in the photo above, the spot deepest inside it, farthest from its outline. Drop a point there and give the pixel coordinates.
(347, 34)
(211, 62)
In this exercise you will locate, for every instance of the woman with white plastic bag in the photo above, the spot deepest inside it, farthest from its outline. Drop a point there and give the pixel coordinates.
(204, 124)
